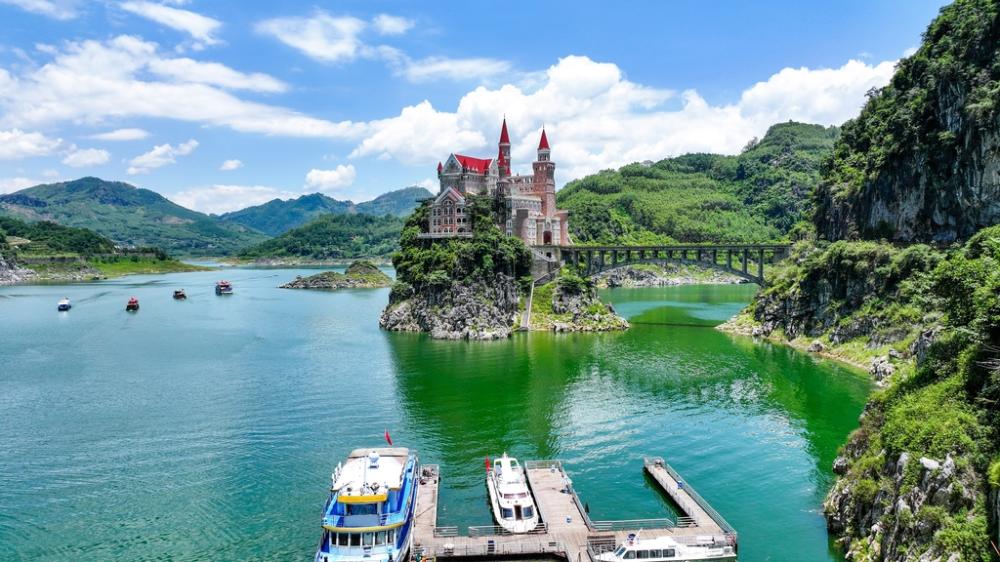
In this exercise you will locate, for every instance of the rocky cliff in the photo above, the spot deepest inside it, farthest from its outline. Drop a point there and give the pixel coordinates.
(922, 161)
(481, 310)
(11, 273)
(571, 304)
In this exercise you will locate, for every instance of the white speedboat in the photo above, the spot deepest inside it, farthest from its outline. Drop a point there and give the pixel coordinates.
(513, 507)
(64, 305)
(672, 549)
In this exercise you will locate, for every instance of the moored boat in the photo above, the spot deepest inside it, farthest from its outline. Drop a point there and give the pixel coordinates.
(369, 515)
(511, 500)
(671, 549)
(64, 304)
(223, 288)
(180, 295)
(132, 305)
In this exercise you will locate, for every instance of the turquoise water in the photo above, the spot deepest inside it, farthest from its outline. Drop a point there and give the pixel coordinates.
(207, 429)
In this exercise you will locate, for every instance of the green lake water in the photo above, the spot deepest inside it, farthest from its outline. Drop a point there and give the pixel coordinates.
(207, 429)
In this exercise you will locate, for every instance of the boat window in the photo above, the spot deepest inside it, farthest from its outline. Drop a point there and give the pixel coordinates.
(380, 538)
(392, 537)
(528, 512)
(669, 553)
(368, 538)
(342, 539)
(355, 539)
(362, 508)
(630, 555)
(656, 554)
(642, 554)
(506, 513)
(619, 552)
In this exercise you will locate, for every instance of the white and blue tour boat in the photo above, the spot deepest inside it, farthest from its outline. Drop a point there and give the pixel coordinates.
(369, 516)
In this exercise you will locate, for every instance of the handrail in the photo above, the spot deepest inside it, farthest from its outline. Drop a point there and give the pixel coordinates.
(490, 548)
(447, 531)
(633, 524)
(715, 515)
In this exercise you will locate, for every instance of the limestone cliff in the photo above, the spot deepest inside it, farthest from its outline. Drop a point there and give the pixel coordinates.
(922, 161)
(485, 309)
(11, 273)
(571, 304)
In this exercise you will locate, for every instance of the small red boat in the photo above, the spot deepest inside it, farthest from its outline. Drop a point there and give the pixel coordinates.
(133, 305)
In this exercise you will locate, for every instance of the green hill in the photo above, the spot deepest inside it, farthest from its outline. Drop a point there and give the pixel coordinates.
(756, 196)
(129, 215)
(330, 236)
(280, 215)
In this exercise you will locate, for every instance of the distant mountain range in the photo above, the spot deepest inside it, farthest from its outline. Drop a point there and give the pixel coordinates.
(279, 216)
(129, 215)
(132, 216)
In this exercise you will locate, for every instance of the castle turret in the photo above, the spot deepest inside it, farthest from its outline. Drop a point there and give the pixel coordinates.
(545, 176)
(543, 148)
(504, 148)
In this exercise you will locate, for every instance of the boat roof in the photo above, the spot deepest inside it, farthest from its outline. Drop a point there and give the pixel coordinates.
(371, 473)
(653, 542)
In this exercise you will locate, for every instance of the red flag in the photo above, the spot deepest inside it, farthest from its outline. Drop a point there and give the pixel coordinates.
(387, 438)
(487, 464)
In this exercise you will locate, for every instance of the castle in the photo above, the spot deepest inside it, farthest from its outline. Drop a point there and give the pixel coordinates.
(530, 200)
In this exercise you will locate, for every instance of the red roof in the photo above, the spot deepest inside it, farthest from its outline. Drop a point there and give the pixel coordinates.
(504, 137)
(544, 143)
(440, 167)
(478, 165)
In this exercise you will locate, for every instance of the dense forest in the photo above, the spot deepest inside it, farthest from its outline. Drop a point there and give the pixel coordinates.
(46, 237)
(759, 195)
(333, 236)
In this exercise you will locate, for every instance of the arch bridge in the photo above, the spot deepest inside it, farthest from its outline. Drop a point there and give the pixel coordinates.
(744, 260)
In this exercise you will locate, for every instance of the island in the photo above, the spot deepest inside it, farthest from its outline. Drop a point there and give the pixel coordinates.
(361, 274)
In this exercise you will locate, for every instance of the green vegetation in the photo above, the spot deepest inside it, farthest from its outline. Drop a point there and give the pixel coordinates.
(361, 274)
(757, 196)
(921, 132)
(881, 297)
(422, 264)
(59, 252)
(328, 237)
(279, 216)
(130, 216)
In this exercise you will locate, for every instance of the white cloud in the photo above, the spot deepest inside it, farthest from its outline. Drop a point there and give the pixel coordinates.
(56, 9)
(215, 74)
(429, 184)
(596, 118)
(220, 199)
(121, 135)
(341, 176)
(16, 144)
(10, 185)
(322, 36)
(201, 28)
(437, 68)
(160, 155)
(92, 82)
(50, 174)
(391, 25)
(82, 157)
(229, 165)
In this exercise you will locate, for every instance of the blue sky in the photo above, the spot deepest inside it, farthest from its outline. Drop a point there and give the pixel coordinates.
(224, 104)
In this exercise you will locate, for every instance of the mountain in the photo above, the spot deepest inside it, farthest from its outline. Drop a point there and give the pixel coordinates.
(129, 215)
(333, 236)
(400, 202)
(280, 215)
(756, 196)
(921, 161)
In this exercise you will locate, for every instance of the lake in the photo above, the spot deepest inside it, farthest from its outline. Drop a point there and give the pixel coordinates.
(207, 429)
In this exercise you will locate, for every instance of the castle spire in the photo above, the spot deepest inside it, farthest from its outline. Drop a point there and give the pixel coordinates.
(543, 144)
(440, 167)
(504, 137)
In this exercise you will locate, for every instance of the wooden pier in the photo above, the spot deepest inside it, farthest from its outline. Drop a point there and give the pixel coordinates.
(566, 531)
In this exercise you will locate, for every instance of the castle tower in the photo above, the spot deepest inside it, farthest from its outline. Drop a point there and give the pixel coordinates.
(545, 176)
(504, 157)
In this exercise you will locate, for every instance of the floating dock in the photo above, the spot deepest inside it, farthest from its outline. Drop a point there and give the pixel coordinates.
(566, 531)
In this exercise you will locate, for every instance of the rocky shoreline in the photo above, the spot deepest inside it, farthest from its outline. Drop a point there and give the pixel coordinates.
(11, 273)
(666, 275)
(573, 306)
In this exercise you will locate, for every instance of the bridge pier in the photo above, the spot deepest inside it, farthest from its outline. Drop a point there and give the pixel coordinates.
(760, 266)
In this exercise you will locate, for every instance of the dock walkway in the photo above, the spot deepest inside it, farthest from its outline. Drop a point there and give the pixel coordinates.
(566, 531)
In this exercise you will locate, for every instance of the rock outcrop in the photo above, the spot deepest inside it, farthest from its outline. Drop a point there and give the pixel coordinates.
(359, 275)
(580, 310)
(664, 276)
(11, 273)
(481, 310)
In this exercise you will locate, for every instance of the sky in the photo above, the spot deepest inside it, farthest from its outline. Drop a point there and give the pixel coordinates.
(219, 105)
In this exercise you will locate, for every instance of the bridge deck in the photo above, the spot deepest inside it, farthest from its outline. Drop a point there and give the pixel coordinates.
(568, 532)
